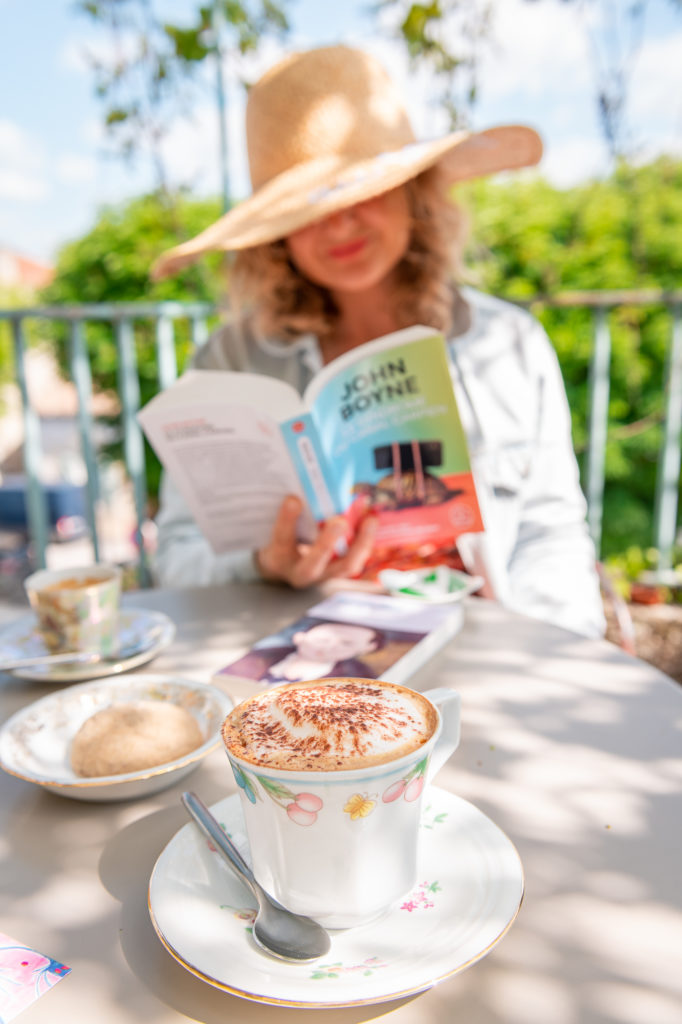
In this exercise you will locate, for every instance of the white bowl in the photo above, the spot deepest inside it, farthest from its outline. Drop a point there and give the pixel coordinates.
(35, 742)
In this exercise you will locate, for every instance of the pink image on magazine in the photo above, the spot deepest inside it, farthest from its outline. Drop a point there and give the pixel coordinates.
(25, 975)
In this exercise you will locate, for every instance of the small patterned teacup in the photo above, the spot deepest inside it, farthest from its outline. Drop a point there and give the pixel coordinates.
(77, 608)
(341, 846)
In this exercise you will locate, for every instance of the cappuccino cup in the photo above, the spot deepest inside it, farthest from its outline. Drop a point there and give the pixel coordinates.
(77, 608)
(332, 774)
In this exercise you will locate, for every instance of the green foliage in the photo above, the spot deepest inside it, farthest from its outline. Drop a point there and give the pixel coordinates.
(153, 78)
(112, 264)
(627, 568)
(451, 35)
(7, 373)
(14, 297)
(528, 239)
(623, 233)
(448, 36)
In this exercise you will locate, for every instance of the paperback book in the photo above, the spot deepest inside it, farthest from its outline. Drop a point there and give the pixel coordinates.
(368, 636)
(376, 429)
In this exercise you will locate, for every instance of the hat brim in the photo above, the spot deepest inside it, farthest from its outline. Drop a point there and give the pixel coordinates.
(313, 190)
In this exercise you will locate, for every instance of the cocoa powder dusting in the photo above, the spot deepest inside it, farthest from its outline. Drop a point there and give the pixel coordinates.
(345, 717)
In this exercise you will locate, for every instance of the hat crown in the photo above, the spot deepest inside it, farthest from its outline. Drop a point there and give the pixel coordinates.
(332, 101)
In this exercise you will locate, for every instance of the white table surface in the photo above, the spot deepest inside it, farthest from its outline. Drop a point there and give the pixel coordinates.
(570, 746)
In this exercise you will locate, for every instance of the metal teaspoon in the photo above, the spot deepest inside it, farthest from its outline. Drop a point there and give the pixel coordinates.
(277, 930)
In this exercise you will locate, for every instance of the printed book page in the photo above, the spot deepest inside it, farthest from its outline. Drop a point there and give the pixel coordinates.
(225, 453)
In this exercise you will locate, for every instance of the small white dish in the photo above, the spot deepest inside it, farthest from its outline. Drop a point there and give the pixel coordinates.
(438, 584)
(35, 742)
(22, 639)
(469, 893)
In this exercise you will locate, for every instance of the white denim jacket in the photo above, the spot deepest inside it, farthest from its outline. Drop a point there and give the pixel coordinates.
(535, 555)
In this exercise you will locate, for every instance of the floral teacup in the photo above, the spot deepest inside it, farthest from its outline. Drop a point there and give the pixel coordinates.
(77, 609)
(341, 846)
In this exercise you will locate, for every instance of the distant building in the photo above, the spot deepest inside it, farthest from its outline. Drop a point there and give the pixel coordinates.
(17, 271)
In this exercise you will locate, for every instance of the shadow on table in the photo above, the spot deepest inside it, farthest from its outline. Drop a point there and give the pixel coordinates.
(125, 867)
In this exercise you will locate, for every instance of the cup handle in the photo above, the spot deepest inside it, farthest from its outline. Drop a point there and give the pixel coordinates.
(448, 703)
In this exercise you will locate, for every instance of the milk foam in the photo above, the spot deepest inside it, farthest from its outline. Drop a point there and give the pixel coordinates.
(329, 725)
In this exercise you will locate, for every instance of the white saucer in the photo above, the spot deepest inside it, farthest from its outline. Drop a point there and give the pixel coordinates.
(23, 640)
(470, 890)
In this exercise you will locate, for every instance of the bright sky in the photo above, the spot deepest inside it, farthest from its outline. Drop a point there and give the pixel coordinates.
(54, 176)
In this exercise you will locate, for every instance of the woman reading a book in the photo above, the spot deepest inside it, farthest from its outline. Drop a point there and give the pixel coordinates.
(350, 234)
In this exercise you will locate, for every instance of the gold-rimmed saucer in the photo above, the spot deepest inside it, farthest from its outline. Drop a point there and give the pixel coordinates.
(468, 894)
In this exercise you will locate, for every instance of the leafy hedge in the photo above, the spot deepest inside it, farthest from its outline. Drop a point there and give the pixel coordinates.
(527, 239)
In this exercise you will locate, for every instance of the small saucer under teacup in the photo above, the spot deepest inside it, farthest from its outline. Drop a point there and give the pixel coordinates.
(23, 639)
(468, 895)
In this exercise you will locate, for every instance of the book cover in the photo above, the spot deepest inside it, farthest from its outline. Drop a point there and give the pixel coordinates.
(388, 423)
(377, 429)
(368, 636)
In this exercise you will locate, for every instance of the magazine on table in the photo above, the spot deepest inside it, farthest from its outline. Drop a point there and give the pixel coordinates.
(377, 428)
(363, 635)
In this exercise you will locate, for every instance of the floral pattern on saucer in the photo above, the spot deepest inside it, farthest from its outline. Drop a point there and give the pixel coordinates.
(366, 968)
(422, 897)
(470, 890)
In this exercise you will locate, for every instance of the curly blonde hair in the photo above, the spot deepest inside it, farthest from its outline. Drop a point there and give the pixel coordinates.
(284, 304)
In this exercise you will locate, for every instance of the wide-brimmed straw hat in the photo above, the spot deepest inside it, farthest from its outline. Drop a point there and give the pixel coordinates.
(326, 129)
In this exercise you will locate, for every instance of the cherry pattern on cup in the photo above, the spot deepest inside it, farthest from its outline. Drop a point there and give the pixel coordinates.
(409, 787)
(302, 808)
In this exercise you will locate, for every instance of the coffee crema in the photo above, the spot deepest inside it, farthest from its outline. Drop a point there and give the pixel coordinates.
(75, 583)
(329, 725)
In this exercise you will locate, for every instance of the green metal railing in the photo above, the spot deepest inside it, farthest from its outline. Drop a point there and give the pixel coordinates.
(668, 466)
(166, 315)
(122, 317)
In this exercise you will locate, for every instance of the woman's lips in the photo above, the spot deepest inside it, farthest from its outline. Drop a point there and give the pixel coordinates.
(348, 249)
